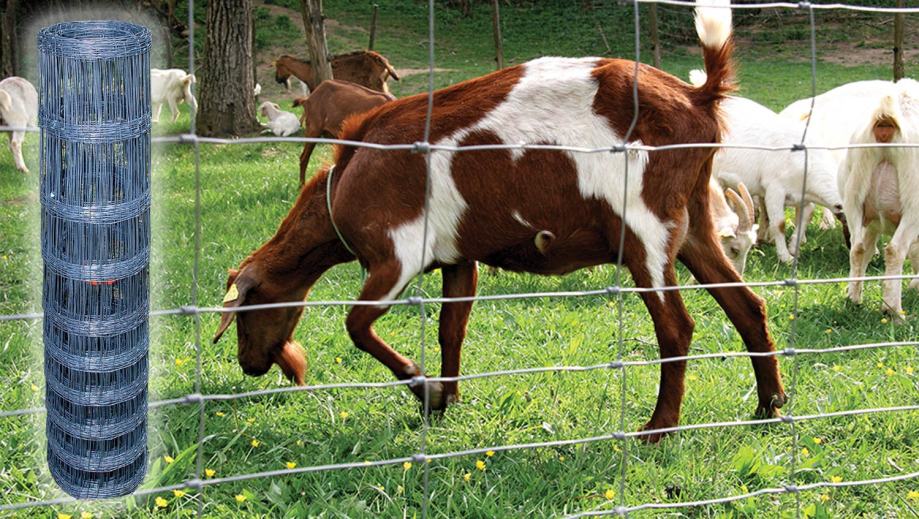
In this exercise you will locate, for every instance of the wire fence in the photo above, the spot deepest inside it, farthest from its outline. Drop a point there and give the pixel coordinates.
(617, 291)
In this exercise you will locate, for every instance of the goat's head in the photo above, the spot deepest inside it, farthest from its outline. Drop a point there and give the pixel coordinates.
(264, 336)
(281, 71)
(738, 242)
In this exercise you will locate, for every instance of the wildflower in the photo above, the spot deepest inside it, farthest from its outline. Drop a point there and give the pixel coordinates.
(828, 331)
(161, 503)
(479, 464)
(883, 320)
(343, 415)
(913, 495)
(178, 493)
(180, 362)
(63, 516)
(291, 465)
(908, 370)
(255, 443)
(835, 479)
(407, 465)
(400, 489)
(890, 372)
(805, 452)
(791, 317)
(467, 477)
(824, 498)
(210, 473)
(837, 368)
(250, 421)
(609, 494)
(34, 388)
(168, 459)
(299, 443)
(220, 414)
(86, 515)
(240, 498)
(818, 441)
(489, 453)
(561, 459)
(692, 378)
(880, 364)
(337, 360)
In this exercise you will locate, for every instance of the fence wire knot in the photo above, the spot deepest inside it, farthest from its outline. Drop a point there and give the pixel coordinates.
(194, 483)
(798, 146)
(194, 398)
(417, 381)
(421, 147)
(188, 138)
(415, 300)
(792, 488)
(188, 310)
(618, 148)
(419, 458)
(788, 418)
(789, 352)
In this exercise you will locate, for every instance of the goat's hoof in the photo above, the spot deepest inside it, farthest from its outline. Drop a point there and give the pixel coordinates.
(654, 437)
(770, 408)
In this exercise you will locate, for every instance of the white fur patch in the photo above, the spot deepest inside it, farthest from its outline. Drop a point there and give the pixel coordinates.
(552, 103)
(713, 23)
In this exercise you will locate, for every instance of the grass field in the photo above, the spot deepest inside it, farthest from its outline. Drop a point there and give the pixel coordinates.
(246, 191)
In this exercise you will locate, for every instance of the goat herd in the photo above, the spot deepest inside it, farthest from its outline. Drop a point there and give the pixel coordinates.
(551, 212)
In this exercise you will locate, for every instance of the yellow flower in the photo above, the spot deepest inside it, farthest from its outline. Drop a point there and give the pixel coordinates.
(240, 498)
(255, 443)
(489, 453)
(343, 415)
(210, 473)
(835, 479)
(883, 320)
(86, 515)
(913, 495)
(880, 364)
(908, 370)
(692, 378)
(220, 413)
(178, 493)
(561, 459)
(34, 388)
(805, 452)
(466, 477)
(161, 503)
(180, 362)
(824, 498)
(299, 443)
(64, 516)
(609, 494)
(479, 464)
(291, 465)
(791, 317)
(337, 360)
(407, 465)
(828, 331)
(837, 368)
(400, 489)
(168, 459)
(890, 372)
(818, 441)
(250, 421)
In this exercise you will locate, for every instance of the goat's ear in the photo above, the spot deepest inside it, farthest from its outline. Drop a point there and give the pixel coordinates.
(240, 284)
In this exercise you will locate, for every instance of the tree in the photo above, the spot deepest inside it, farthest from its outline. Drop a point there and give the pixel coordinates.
(8, 45)
(314, 24)
(227, 82)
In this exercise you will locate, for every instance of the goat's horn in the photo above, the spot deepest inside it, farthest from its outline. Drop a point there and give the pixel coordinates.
(744, 218)
(745, 194)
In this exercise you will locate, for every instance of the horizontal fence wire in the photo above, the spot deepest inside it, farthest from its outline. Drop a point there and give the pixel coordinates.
(194, 311)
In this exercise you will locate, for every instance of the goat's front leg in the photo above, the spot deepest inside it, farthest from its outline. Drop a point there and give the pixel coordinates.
(775, 209)
(157, 109)
(311, 132)
(382, 281)
(458, 281)
(673, 327)
(16, 139)
(894, 256)
(799, 237)
(700, 253)
(864, 243)
(174, 108)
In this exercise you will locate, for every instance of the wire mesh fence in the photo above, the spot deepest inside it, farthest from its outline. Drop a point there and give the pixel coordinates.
(617, 291)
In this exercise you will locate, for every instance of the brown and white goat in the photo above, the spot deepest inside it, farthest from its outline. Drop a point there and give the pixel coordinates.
(326, 109)
(879, 187)
(487, 206)
(364, 67)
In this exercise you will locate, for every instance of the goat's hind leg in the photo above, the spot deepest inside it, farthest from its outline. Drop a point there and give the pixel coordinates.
(702, 255)
(914, 259)
(384, 282)
(894, 256)
(458, 281)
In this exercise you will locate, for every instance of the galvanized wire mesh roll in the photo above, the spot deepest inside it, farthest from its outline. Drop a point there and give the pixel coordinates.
(94, 113)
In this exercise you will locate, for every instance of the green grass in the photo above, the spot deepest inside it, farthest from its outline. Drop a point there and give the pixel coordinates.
(247, 189)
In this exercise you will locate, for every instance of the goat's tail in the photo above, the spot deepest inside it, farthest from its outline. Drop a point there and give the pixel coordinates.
(713, 25)
(188, 81)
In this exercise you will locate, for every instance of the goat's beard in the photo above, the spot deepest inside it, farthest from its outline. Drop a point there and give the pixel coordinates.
(292, 362)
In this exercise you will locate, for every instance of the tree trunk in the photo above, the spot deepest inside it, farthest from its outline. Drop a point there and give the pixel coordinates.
(496, 28)
(227, 104)
(898, 68)
(9, 65)
(314, 24)
(373, 27)
(655, 38)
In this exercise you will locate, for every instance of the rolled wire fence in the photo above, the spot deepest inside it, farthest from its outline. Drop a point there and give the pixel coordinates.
(617, 291)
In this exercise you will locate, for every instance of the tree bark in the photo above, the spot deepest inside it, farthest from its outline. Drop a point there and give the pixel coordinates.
(898, 68)
(496, 28)
(9, 64)
(227, 105)
(314, 24)
(655, 38)
(373, 27)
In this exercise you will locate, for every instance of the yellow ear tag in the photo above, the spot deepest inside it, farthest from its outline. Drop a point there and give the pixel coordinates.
(232, 294)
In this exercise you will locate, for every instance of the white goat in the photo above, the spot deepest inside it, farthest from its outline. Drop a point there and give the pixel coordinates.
(775, 176)
(171, 86)
(879, 187)
(19, 109)
(280, 123)
(733, 219)
(257, 90)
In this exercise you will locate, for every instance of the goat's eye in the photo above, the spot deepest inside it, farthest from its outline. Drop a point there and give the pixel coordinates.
(735, 251)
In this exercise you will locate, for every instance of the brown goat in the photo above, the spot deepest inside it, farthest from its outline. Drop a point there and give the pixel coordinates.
(487, 206)
(326, 109)
(364, 67)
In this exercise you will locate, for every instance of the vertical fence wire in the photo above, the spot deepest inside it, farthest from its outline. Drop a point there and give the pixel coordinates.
(95, 241)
